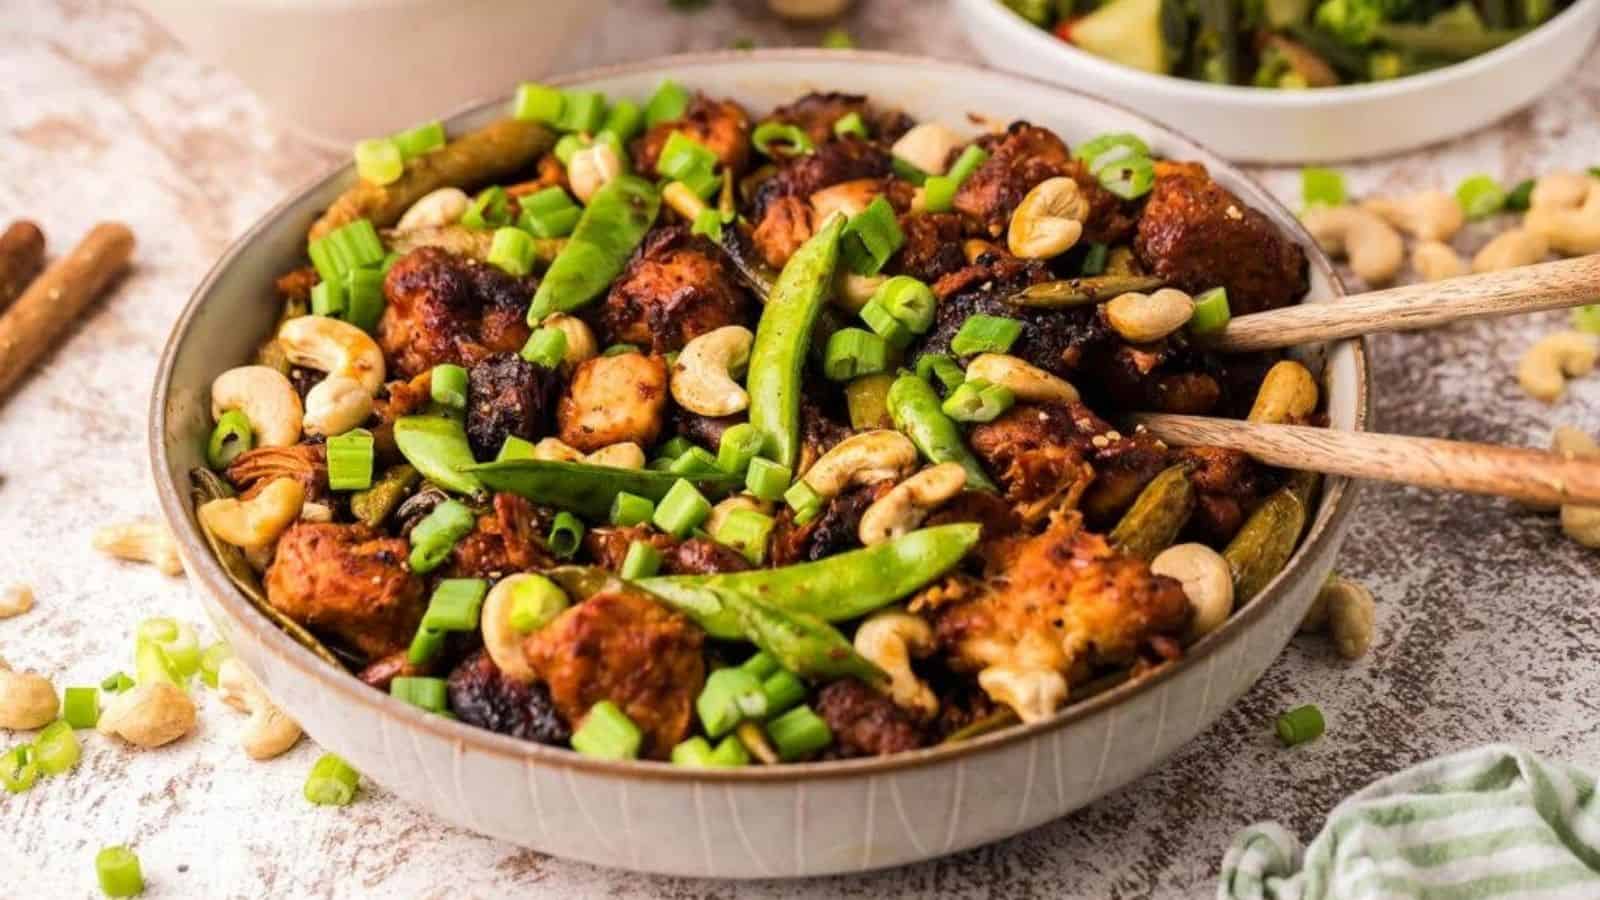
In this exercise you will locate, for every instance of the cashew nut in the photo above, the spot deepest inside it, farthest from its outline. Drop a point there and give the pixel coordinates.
(267, 400)
(311, 511)
(269, 732)
(503, 642)
(1510, 249)
(1143, 318)
(1207, 582)
(849, 197)
(15, 600)
(581, 344)
(623, 455)
(1547, 365)
(1033, 694)
(852, 291)
(1566, 213)
(702, 379)
(1427, 216)
(865, 458)
(1028, 382)
(1580, 523)
(336, 405)
(1372, 245)
(335, 347)
(908, 503)
(257, 522)
(142, 540)
(1436, 261)
(435, 209)
(149, 714)
(556, 450)
(1049, 220)
(1287, 394)
(591, 168)
(730, 504)
(891, 638)
(682, 199)
(973, 249)
(928, 147)
(27, 700)
(1351, 614)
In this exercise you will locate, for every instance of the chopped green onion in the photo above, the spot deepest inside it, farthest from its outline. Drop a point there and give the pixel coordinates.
(631, 509)
(151, 664)
(740, 444)
(490, 209)
(1321, 187)
(681, 510)
(328, 298)
(387, 263)
(730, 753)
(1480, 197)
(893, 331)
(620, 350)
(850, 123)
(729, 697)
(118, 872)
(607, 733)
(363, 290)
(176, 639)
(761, 664)
(378, 160)
(1211, 313)
(978, 401)
(423, 139)
(784, 690)
(624, 119)
(568, 146)
(1129, 179)
(798, 733)
(985, 334)
(18, 770)
(512, 250)
(1094, 260)
(939, 193)
(683, 157)
(695, 461)
(426, 645)
(793, 139)
(667, 104)
(708, 222)
(931, 366)
(211, 662)
(837, 39)
(116, 683)
(56, 749)
(548, 213)
(870, 238)
(514, 448)
(804, 500)
(692, 752)
(1301, 724)
(1518, 198)
(1587, 318)
(350, 246)
(852, 352)
(582, 111)
(641, 561)
(455, 604)
(436, 535)
(332, 782)
(231, 437)
(677, 446)
(971, 159)
(546, 347)
(766, 479)
(538, 103)
(448, 386)
(909, 301)
(746, 531)
(566, 535)
(350, 457)
(80, 706)
(535, 603)
(1124, 143)
(426, 693)
(905, 171)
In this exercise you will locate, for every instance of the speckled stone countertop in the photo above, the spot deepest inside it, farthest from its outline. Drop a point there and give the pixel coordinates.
(1487, 624)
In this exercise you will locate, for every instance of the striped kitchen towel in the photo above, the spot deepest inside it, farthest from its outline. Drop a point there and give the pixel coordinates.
(1494, 822)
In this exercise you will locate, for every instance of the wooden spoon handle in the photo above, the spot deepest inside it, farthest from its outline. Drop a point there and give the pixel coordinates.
(1533, 476)
(55, 300)
(1556, 285)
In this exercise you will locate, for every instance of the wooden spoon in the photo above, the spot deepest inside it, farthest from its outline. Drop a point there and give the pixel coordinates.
(1556, 285)
(1532, 476)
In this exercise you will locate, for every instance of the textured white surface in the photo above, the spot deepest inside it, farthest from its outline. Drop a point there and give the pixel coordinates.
(1487, 629)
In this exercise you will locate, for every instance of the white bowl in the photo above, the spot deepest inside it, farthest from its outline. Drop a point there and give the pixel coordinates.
(807, 819)
(1264, 125)
(338, 71)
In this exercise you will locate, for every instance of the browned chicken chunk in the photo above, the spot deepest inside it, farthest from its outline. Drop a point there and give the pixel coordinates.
(1018, 160)
(508, 538)
(445, 308)
(676, 288)
(864, 722)
(613, 399)
(720, 125)
(349, 582)
(933, 246)
(509, 396)
(782, 230)
(816, 114)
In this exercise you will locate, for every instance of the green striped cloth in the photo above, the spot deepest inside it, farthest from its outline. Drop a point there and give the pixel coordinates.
(1492, 822)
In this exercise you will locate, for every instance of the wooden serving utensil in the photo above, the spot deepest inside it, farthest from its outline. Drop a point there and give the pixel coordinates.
(1555, 285)
(1532, 476)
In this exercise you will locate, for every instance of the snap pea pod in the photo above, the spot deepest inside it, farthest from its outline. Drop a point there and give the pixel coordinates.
(1263, 545)
(612, 225)
(374, 505)
(585, 489)
(1156, 517)
(915, 408)
(777, 358)
(834, 589)
(437, 446)
(1070, 292)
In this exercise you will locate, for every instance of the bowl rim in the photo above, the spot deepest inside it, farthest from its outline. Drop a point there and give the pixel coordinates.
(1013, 26)
(1338, 494)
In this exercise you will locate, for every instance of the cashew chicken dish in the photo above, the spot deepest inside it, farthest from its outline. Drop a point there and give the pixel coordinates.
(676, 430)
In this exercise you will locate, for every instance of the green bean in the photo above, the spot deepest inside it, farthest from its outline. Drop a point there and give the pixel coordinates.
(777, 359)
(1446, 43)
(373, 505)
(613, 224)
(1216, 46)
(915, 408)
(582, 488)
(437, 446)
(802, 644)
(1263, 545)
(1153, 522)
(1071, 292)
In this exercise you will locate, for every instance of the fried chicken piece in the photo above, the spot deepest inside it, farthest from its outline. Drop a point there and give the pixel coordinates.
(481, 695)
(1018, 161)
(1227, 485)
(444, 308)
(349, 581)
(816, 114)
(1038, 455)
(253, 470)
(864, 722)
(613, 399)
(932, 248)
(676, 288)
(398, 399)
(627, 649)
(296, 284)
(831, 532)
(721, 126)
(834, 162)
(786, 225)
(695, 556)
(1198, 235)
(508, 538)
(507, 395)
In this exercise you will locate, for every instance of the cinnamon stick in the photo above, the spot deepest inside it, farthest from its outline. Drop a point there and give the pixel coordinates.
(21, 258)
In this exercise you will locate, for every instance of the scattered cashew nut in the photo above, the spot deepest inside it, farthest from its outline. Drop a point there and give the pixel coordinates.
(852, 291)
(142, 540)
(149, 714)
(1580, 523)
(1207, 582)
(336, 405)
(624, 455)
(257, 522)
(267, 400)
(592, 168)
(270, 732)
(1372, 245)
(1144, 318)
(1427, 215)
(865, 458)
(1564, 209)
(891, 638)
(1436, 261)
(928, 147)
(15, 600)
(1028, 382)
(1288, 393)
(908, 503)
(1511, 249)
(1351, 614)
(1033, 694)
(1049, 220)
(335, 347)
(730, 504)
(1547, 365)
(502, 642)
(702, 378)
(435, 209)
(27, 700)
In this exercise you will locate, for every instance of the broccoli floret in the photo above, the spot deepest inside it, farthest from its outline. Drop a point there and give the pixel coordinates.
(1352, 22)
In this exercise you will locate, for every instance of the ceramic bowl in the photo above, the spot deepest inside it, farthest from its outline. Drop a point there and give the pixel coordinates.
(1247, 124)
(795, 820)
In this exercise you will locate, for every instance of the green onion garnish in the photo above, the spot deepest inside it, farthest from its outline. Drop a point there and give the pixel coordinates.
(746, 531)
(939, 191)
(350, 457)
(538, 103)
(682, 155)
(447, 384)
(116, 683)
(708, 223)
(351, 246)
(455, 604)
(624, 119)
(118, 872)
(641, 561)
(729, 697)
(938, 366)
(1321, 187)
(535, 603)
(426, 693)
(1113, 145)
(628, 509)
(985, 334)
(514, 448)
(1480, 197)
(546, 347)
(328, 298)
(885, 325)
(608, 733)
(666, 104)
(740, 444)
(909, 301)
(1211, 313)
(762, 664)
(1129, 179)
(548, 213)
(378, 161)
(853, 352)
(56, 749)
(176, 640)
(850, 123)
(682, 509)
(566, 535)
(767, 480)
(798, 733)
(692, 752)
(332, 782)
(582, 111)
(80, 706)
(426, 645)
(1094, 259)
(490, 209)
(1301, 724)
(423, 139)
(1587, 318)
(568, 147)
(870, 238)
(512, 250)
(677, 446)
(791, 140)
(804, 500)
(905, 171)
(978, 401)
(363, 305)
(18, 771)
(784, 690)
(695, 462)
(211, 662)
(151, 664)
(436, 535)
(837, 39)
(231, 437)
